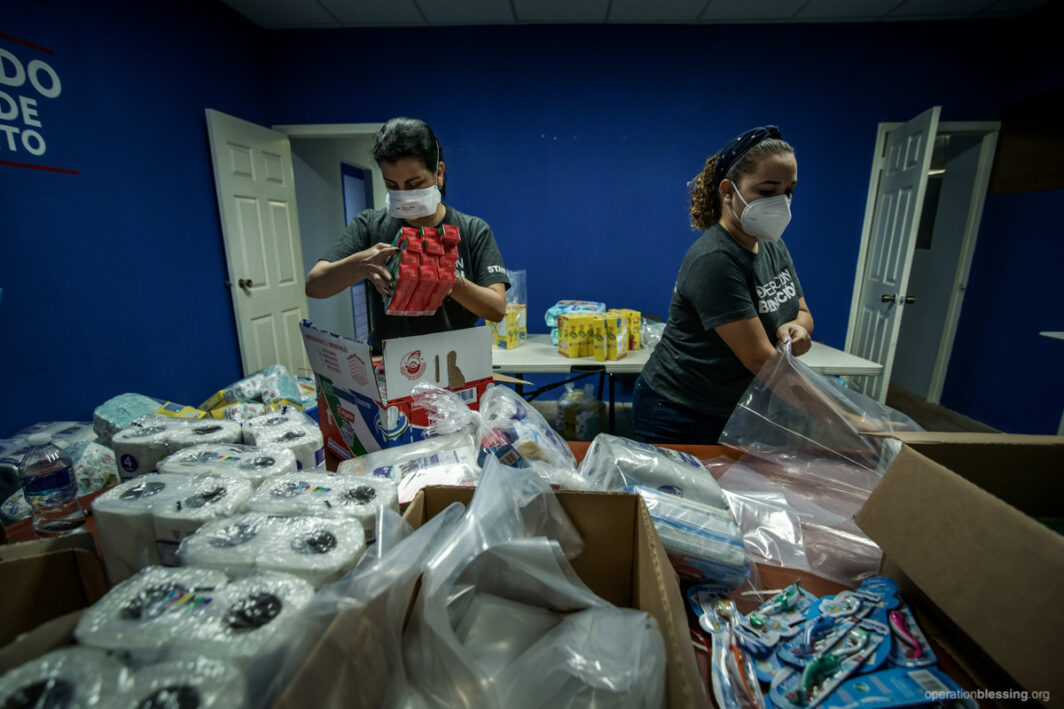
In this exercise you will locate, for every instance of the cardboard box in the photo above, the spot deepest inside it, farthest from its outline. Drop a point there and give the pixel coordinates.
(623, 563)
(46, 579)
(362, 410)
(955, 517)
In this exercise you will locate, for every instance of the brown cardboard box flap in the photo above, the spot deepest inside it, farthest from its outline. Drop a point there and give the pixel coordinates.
(990, 568)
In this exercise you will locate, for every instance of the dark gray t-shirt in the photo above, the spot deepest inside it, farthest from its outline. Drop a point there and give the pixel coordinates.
(719, 282)
(479, 261)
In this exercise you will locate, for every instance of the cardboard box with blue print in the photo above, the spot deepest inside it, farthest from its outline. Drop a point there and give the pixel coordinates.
(364, 405)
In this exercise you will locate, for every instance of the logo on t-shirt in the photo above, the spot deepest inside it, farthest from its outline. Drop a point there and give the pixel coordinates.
(775, 293)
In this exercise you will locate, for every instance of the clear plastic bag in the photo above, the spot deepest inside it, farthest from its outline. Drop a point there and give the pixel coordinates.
(513, 431)
(807, 469)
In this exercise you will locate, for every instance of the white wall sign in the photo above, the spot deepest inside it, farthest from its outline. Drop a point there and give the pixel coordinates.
(28, 84)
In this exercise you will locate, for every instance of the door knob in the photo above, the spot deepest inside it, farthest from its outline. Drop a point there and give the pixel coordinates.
(245, 283)
(886, 298)
(910, 299)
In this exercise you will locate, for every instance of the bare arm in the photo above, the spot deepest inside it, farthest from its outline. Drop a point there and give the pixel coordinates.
(799, 330)
(747, 338)
(328, 278)
(488, 302)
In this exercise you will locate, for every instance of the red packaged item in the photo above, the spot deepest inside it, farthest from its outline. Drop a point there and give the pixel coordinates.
(405, 286)
(428, 279)
(450, 237)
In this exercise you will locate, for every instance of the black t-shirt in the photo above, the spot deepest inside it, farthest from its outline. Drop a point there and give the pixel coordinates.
(479, 261)
(719, 282)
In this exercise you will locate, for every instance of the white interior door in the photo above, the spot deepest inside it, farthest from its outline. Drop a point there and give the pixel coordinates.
(257, 203)
(899, 182)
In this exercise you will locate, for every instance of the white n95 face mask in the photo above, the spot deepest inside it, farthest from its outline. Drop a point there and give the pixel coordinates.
(765, 218)
(413, 204)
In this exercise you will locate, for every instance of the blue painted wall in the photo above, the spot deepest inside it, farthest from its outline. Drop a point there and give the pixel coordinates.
(574, 143)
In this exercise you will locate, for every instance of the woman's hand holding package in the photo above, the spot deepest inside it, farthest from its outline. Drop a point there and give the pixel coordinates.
(372, 265)
(799, 336)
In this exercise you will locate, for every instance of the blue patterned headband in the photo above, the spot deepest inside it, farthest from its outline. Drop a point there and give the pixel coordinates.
(739, 146)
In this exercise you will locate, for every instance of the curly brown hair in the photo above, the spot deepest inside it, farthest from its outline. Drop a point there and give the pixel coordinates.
(705, 188)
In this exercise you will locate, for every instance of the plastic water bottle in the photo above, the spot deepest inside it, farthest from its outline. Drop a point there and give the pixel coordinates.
(48, 482)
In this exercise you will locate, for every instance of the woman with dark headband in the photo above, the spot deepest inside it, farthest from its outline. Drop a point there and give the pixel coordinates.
(736, 296)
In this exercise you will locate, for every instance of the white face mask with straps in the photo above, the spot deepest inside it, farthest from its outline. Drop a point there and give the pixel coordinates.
(413, 204)
(765, 218)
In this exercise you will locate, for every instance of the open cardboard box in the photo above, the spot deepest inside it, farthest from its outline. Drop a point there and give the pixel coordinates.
(954, 515)
(623, 562)
(45, 582)
(361, 410)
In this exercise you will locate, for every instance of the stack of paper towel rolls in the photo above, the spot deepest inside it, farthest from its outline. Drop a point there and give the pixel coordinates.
(327, 495)
(251, 462)
(141, 521)
(139, 448)
(66, 677)
(316, 549)
(291, 429)
(160, 611)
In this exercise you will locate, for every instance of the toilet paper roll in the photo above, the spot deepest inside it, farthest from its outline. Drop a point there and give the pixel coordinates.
(307, 443)
(203, 498)
(125, 526)
(273, 422)
(316, 549)
(138, 449)
(359, 497)
(194, 683)
(65, 677)
(156, 610)
(251, 615)
(214, 431)
(252, 462)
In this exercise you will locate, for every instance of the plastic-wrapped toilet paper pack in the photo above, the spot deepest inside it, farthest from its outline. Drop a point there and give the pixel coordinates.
(131, 516)
(253, 614)
(251, 462)
(65, 677)
(139, 448)
(381, 462)
(316, 549)
(614, 463)
(156, 610)
(704, 543)
(326, 495)
(192, 683)
(64, 433)
(162, 611)
(120, 412)
(206, 497)
(290, 429)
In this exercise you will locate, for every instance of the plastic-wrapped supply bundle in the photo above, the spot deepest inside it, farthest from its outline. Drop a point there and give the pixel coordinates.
(563, 307)
(244, 411)
(440, 460)
(704, 543)
(614, 463)
(316, 549)
(291, 429)
(355, 497)
(119, 413)
(251, 462)
(71, 677)
(140, 521)
(161, 611)
(191, 683)
(156, 610)
(515, 433)
(139, 448)
(579, 415)
(280, 387)
(64, 433)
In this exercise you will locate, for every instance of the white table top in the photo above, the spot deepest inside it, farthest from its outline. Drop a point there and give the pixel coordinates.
(538, 356)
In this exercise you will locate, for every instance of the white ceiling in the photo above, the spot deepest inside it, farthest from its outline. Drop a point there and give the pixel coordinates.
(323, 14)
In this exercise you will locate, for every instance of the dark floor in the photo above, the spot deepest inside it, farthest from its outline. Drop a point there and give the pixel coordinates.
(932, 416)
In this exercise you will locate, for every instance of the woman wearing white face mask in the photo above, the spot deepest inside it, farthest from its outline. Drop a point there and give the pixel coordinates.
(411, 163)
(736, 296)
